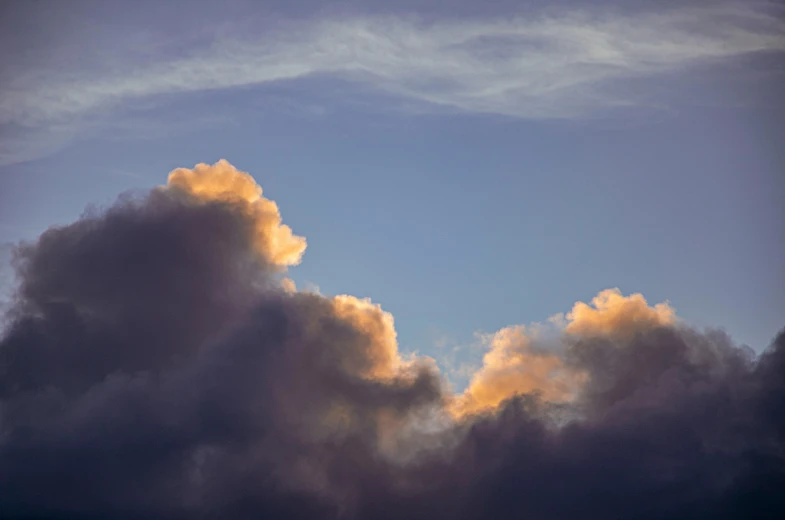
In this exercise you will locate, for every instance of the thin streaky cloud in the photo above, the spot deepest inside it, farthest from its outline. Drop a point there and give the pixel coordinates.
(557, 66)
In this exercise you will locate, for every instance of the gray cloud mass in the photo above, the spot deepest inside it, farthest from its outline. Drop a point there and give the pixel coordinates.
(151, 366)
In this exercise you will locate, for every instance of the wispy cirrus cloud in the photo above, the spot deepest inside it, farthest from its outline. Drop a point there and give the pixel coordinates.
(556, 66)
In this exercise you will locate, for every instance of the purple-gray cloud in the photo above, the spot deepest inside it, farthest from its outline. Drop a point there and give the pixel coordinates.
(153, 366)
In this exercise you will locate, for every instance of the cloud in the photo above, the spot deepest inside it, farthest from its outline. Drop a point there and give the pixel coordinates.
(222, 182)
(511, 367)
(365, 316)
(153, 366)
(542, 65)
(612, 313)
(288, 285)
(521, 361)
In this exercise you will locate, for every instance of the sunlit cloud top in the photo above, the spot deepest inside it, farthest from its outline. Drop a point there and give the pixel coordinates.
(222, 182)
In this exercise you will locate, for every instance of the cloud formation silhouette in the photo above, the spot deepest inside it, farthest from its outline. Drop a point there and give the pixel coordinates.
(155, 365)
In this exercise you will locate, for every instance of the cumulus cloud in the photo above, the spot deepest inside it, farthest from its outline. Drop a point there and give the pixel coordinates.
(153, 366)
(370, 319)
(222, 182)
(612, 313)
(521, 361)
(511, 367)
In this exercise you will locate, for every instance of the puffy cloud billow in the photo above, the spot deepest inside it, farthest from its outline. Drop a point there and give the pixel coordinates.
(155, 363)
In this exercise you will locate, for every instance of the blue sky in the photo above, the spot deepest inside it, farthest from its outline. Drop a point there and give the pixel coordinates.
(468, 168)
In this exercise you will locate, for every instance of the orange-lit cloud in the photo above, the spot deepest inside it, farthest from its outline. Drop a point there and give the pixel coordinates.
(380, 357)
(222, 182)
(288, 285)
(511, 367)
(612, 313)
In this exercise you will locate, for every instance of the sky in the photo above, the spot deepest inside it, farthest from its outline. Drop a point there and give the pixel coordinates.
(392, 259)
(528, 155)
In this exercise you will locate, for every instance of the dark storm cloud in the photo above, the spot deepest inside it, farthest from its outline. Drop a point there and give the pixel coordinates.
(677, 425)
(151, 367)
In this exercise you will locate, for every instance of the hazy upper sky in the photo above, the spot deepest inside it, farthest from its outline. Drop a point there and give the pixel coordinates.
(468, 167)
